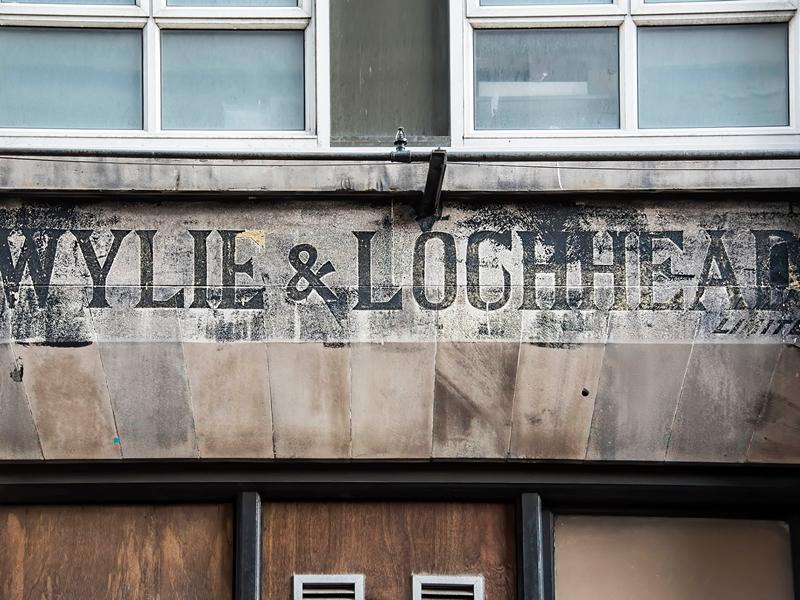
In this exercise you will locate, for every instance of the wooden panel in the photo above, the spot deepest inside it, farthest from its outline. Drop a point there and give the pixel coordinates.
(387, 542)
(116, 552)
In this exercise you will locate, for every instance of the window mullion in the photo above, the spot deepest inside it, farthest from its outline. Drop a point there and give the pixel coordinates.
(152, 77)
(628, 113)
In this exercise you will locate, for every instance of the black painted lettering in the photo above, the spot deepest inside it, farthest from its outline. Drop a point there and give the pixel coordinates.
(589, 268)
(718, 256)
(777, 254)
(474, 295)
(146, 300)
(365, 301)
(248, 297)
(200, 298)
(556, 264)
(649, 271)
(38, 255)
(448, 264)
(99, 273)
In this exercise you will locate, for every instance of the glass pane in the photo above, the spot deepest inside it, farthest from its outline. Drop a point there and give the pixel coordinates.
(714, 76)
(610, 558)
(232, 2)
(236, 80)
(547, 78)
(378, 86)
(529, 2)
(70, 78)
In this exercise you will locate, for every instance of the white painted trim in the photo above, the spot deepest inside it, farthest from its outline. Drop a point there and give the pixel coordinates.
(642, 7)
(708, 18)
(544, 21)
(76, 10)
(469, 80)
(322, 70)
(55, 20)
(475, 10)
(152, 77)
(616, 140)
(794, 72)
(458, 93)
(310, 79)
(126, 140)
(230, 22)
(628, 77)
(764, 133)
(161, 8)
(417, 581)
(357, 581)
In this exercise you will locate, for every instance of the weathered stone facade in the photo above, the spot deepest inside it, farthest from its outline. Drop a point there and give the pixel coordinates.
(570, 328)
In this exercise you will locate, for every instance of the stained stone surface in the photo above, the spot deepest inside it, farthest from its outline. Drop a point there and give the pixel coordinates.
(150, 397)
(636, 399)
(70, 401)
(229, 384)
(473, 399)
(392, 399)
(344, 328)
(310, 389)
(554, 399)
(724, 392)
(19, 438)
(776, 437)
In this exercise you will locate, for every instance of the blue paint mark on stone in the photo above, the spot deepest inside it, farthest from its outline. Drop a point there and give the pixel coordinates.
(116, 440)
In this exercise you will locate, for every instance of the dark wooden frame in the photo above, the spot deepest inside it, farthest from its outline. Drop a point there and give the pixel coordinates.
(538, 490)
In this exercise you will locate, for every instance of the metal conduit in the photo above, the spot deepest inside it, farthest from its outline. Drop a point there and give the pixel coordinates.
(418, 156)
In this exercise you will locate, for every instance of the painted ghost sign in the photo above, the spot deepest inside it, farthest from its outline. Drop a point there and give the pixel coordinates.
(341, 271)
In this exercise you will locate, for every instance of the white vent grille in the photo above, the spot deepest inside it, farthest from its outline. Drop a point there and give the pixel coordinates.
(442, 587)
(328, 587)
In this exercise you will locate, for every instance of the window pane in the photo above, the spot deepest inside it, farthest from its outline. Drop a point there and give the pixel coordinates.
(237, 80)
(518, 2)
(389, 68)
(547, 78)
(70, 78)
(232, 2)
(609, 558)
(713, 76)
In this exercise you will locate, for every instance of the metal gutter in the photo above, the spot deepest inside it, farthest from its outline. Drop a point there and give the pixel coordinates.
(418, 156)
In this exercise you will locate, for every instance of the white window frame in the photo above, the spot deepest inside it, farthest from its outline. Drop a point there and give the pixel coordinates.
(152, 17)
(467, 16)
(313, 16)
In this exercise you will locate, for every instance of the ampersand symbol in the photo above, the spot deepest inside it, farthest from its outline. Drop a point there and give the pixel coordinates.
(313, 279)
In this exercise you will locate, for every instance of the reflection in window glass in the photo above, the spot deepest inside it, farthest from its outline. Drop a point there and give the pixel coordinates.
(271, 3)
(529, 2)
(70, 78)
(236, 80)
(713, 76)
(609, 558)
(547, 78)
(389, 69)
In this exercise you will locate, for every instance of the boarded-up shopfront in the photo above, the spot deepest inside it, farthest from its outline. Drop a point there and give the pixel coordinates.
(228, 393)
